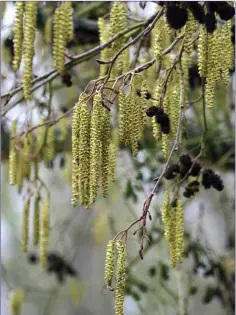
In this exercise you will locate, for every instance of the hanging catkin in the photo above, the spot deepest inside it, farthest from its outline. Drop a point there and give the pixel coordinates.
(165, 214)
(44, 233)
(62, 33)
(95, 146)
(36, 219)
(118, 23)
(84, 154)
(202, 51)
(120, 278)
(179, 231)
(106, 140)
(112, 162)
(25, 226)
(110, 260)
(18, 35)
(123, 117)
(17, 299)
(166, 137)
(12, 155)
(104, 35)
(29, 38)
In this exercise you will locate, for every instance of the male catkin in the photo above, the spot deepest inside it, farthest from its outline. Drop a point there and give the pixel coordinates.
(18, 35)
(110, 260)
(120, 278)
(44, 233)
(25, 226)
(12, 155)
(36, 219)
(29, 38)
(95, 146)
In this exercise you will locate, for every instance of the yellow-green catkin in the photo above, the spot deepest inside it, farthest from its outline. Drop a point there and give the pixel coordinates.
(172, 237)
(63, 129)
(69, 30)
(20, 170)
(120, 278)
(49, 149)
(75, 150)
(123, 117)
(143, 105)
(84, 154)
(106, 140)
(95, 147)
(174, 97)
(112, 162)
(12, 155)
(166, 137)
(134, 123)
(189, 31)
(18, 34)
(157, 38)
(62, 33)
(25, 226)
(27, 160)
(118, 23)
(36, 220)
(156, 102)
(17, 299)
(165, 214)
(109, 264)
(29, 38)
(202, 51)
(104, 35)
(48, 30)
(41, 137)
(226, 52)
(213, 67)
(44, 233)
(179, 231)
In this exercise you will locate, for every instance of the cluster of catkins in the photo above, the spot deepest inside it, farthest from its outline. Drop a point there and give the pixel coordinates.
(205, 13)
(55, 264)
(120, 272)
(24, 38)
(93, 152)
(172, 213)
(186, 168)
(41, 226)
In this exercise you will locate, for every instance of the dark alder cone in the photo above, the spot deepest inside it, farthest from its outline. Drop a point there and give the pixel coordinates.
(70, 271)
(217, 183)
(184, 170)
(210, 22)
(195, 169)
(233, 34)
(147, 94)
(194, 183)
(188, 192)
(62, 162)
(197, 11)
(176, 16)
(152, 271)
(186, 160)
(159, 115)
(225, 11)
(165, 124)
(207, 178)
(172, 171)
(210, 293)
(152, 111)
(66, 78)
(32, 258)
